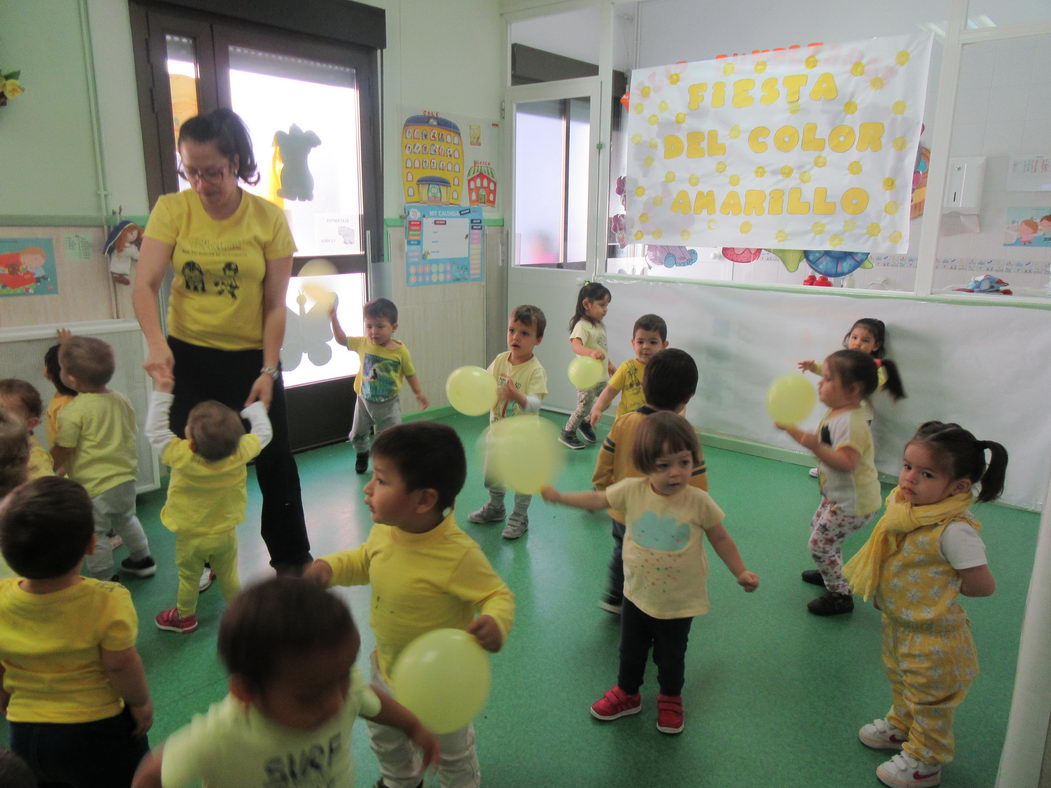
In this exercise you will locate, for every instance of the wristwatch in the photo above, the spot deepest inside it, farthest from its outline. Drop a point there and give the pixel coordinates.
(273, 372)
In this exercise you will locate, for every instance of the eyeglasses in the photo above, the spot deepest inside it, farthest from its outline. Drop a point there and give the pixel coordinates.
(211, 175)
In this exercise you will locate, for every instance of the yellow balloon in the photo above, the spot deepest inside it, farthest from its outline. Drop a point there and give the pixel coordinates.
(324, 297)
(319, 266)
(524, 453)
(790, 399)
(471, 390)
(585, 372)
(443, 678)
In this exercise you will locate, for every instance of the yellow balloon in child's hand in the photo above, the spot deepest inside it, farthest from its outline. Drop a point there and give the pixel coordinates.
(790, 399)
(471, 390)
(524, 453)
(585, 371)
(320, 294)
(443, 678)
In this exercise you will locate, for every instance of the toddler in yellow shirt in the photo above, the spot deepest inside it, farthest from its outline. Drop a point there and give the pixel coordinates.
(96, 446)
(74, 689)
(429, 575)
(648, 337)
(63, 394)
(289, 647)
(22, 401)
(206, 492)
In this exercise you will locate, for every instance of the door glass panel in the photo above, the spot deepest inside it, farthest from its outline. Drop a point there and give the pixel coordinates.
(182, 81)
(303, 117)
(551, 182)
(310, 354)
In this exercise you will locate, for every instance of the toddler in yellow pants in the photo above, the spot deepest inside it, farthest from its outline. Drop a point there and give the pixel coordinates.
(923, 553)
(206, 492)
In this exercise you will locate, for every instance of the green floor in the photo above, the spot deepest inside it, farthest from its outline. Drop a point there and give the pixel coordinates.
(773, 696)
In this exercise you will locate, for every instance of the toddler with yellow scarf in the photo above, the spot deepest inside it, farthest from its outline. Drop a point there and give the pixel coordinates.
(923, 553)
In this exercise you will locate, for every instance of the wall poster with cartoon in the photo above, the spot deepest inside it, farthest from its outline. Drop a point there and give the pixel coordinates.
(27, 267)
(1029, 226)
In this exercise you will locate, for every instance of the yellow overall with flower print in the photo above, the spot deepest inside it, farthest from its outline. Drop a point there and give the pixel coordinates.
(928, 651)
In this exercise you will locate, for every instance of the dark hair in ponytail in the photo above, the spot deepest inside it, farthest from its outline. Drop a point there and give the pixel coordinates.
(878, 329)
(964, 455)
(225, 128)
(592, 291)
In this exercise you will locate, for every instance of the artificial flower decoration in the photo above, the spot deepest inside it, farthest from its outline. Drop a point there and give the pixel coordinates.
(9, 86)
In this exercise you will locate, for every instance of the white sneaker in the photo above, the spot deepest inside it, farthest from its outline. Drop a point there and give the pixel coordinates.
(813, 473)
(206, 580)
(487, 514)
(881, 735)
(516, 526)
(904, 771)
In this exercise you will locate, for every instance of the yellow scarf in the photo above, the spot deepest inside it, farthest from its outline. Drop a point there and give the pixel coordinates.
(898, 521)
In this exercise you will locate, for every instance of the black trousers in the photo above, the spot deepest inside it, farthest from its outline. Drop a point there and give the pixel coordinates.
(101, 754)
(668, 636)
(616, 562)
(203, 373)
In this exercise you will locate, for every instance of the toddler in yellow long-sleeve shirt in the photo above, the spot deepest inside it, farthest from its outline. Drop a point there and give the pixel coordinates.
(206, 493)
(429, 575)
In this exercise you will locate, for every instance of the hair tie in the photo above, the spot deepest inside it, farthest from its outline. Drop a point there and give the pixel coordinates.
(879, 362)
(586, 282)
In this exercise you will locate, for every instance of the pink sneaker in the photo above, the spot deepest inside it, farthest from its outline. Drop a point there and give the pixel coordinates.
(669, 713)
(169, 621)
(615, 704)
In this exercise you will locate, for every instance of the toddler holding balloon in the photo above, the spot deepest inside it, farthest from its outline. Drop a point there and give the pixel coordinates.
(850, 491)
(587, 337)
(289, 647)
(521, 384)
(665, 566)
(426, 574)
(384, 362)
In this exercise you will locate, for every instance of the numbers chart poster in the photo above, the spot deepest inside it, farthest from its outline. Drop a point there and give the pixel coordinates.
(443, 244)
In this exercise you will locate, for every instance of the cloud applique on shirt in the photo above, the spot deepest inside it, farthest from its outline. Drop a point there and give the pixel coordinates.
(660, 532)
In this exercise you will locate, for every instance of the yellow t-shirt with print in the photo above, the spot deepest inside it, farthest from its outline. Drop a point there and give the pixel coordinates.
(217, 294)
(665, 566)
(528, 378)
(593, 337)
(101, 427)
(49, 648)
(382, 369)
(54, 407)
(628, 381)
(40, 462)
(856, 492)
(205, 497)
(433, 580)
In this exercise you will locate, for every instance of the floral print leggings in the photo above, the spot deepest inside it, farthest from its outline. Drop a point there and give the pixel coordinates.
(828, 530)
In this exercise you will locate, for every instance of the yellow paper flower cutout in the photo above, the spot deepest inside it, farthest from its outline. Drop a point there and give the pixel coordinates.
(895, 236)
(639, 108)
(877, 83)
(760, 67)
(685, 235)
(653, 120)
(804, 177)
(760, 172)
(835, 240)
(646, 90)
(644, 218)
(639, 235)
(636, 138)
(735, 179)
(640, 191)
(658, 201)
(849, 226)
(735, 131)
(674, 79)
(720, 166)
(786, 172)
(694, 179)
(874, 230)
(680, 117)
(648, 161)
(653, 144)
(810, 62)
(746, 227)
(890, 208)
(889, 184)
(857, 69)
(669, 176)
(728, 68)
(898, 107)
(663, 106)
(820, 161)
(658, 234)
(901, 58)
(850, 107)
(781, 236)
(900, 143)
(793, 107)
(854, 168)
(818, 228)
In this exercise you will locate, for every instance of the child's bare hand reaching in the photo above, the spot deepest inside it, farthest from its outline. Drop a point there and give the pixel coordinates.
(749, 581)
(487, 632)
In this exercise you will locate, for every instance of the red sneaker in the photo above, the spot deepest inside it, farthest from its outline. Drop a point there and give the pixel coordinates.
(669, 713)
(615, 704)
(169, 621)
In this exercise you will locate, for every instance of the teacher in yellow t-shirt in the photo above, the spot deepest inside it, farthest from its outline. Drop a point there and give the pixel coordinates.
(230, 253)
